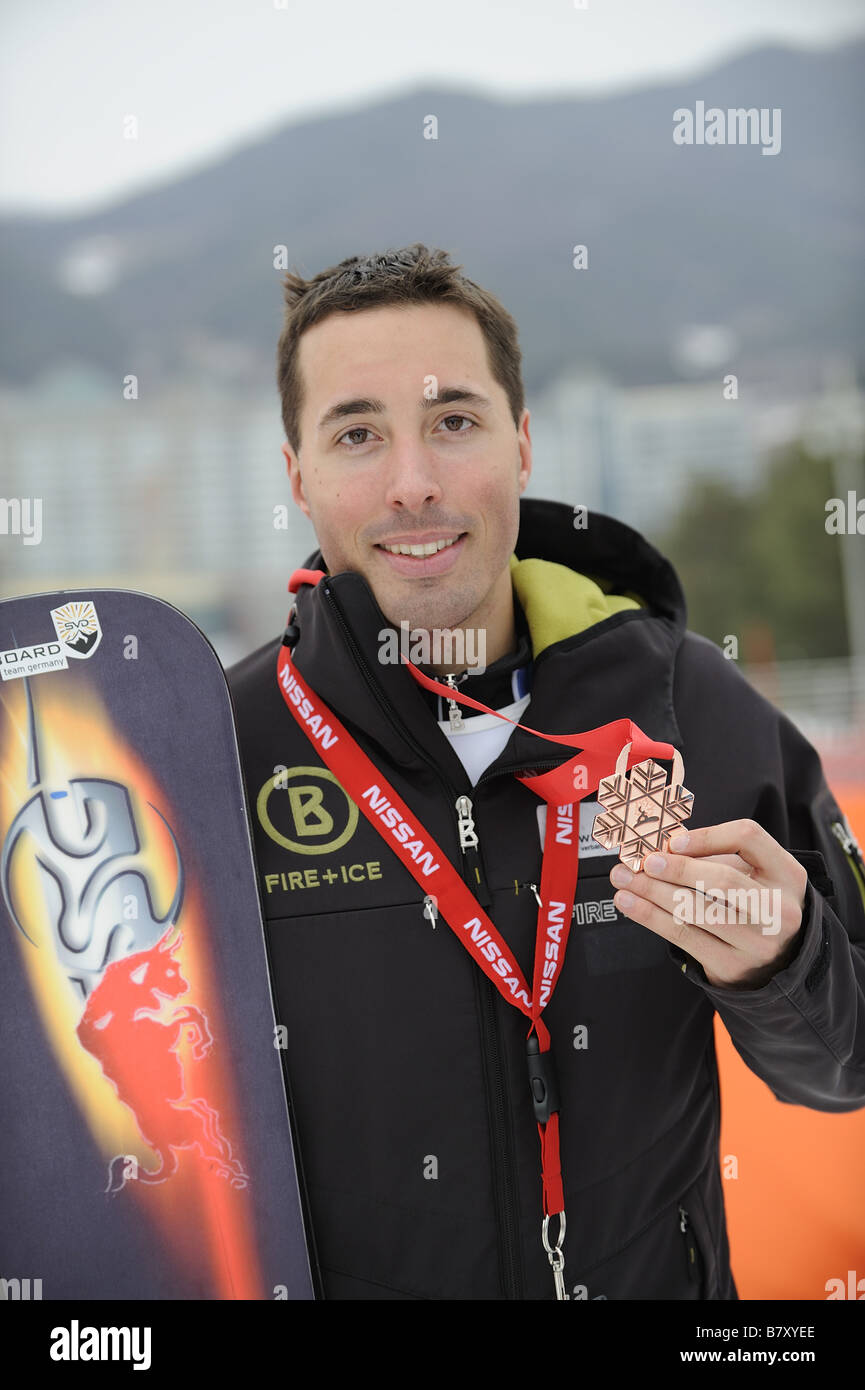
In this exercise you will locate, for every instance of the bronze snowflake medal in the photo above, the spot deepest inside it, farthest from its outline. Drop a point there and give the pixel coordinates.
(641, 808)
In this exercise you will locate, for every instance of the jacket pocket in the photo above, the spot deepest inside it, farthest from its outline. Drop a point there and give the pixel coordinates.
(670, 1259)
(698, 1243)
(693, 1259)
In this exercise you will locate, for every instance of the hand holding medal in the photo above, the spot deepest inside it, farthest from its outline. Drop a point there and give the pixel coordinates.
(733, 902)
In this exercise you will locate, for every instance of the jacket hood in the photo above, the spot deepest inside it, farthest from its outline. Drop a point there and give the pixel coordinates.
(569, 578)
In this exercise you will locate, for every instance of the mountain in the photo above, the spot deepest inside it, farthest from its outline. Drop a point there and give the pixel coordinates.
(767, 247)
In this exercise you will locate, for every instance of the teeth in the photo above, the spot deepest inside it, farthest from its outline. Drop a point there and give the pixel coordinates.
(431, 548)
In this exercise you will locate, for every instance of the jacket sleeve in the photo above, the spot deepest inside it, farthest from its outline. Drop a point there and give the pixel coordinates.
(803, 1032)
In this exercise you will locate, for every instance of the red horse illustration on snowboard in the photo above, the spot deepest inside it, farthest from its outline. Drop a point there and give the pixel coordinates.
(138, 1052)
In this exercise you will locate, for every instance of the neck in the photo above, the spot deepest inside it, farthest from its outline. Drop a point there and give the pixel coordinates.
(467, 650)
(486, 635)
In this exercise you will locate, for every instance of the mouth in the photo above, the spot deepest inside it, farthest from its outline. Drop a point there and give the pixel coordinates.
(419, 548)
(422, 555)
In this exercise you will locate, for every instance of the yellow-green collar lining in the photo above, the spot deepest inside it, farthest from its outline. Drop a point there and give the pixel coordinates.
(558, 602)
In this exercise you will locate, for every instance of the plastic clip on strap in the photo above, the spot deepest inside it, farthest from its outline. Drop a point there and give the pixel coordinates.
(543, 1083)
(542, 1080)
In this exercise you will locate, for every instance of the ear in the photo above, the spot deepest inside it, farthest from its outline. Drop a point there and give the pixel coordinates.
(294, 477)
(524, 443)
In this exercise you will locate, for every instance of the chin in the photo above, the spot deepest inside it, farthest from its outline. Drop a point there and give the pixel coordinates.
(436, 611)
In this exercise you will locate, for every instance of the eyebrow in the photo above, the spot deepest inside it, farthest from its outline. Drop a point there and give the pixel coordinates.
(369, 405)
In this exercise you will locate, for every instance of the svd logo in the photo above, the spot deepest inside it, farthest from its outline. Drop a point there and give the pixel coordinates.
(78, 628)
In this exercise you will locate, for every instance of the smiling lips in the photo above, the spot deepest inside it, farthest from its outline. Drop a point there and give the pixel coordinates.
(427, 548)
(422, 557)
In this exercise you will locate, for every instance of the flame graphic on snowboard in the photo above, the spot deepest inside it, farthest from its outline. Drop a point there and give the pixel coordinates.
(84, 863)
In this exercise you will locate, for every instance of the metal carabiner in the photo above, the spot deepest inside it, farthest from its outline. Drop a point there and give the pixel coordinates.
(555, 1255)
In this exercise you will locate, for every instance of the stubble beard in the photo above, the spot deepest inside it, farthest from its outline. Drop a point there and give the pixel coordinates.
(432, 608)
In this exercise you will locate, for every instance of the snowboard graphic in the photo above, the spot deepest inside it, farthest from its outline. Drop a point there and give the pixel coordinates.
(145, 1141)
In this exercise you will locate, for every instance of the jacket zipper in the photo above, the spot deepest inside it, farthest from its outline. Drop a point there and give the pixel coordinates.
(692, 1254)
(473, 873)
(851, 850)
(504, 1166)
(503, 1160)
(455, 716)
(502, 1155)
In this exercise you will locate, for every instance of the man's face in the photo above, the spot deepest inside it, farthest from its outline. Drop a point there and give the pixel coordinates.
(391, 458)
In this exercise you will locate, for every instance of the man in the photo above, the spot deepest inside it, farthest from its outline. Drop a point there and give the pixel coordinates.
(429, 1161)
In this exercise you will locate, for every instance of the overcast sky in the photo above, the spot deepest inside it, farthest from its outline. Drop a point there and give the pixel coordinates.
(202, 76)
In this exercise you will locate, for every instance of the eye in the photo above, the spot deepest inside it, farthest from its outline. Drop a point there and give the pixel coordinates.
(464, 418)
(357, 429)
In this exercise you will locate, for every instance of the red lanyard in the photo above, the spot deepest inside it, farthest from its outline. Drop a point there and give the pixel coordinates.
(430, 868)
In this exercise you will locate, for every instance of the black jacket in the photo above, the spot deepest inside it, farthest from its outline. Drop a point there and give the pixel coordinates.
(408, 1071)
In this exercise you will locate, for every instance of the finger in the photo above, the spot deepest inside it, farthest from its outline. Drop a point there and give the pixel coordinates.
(706, 876)
(723, 962)
(749, 840)
(702, 945)
(735, 861)
(738, 917)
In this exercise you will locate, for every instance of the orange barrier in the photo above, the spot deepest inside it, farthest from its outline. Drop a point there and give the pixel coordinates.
(794, 1179)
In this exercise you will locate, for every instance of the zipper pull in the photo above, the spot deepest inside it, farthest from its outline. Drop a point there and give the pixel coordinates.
(470, 847)
(841, 834)
(852, 851)
(468, 836)
(430, 909)
(846, 840)
(533, 888)
(454, 712)
(690, 1247)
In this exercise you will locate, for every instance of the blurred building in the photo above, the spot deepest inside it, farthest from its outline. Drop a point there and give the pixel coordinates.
(635, 453)
(184, 496)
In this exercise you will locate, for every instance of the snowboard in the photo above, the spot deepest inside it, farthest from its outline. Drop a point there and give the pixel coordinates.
(146, 1149)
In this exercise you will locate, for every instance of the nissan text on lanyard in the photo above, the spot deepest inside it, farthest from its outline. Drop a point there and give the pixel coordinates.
(363, 782)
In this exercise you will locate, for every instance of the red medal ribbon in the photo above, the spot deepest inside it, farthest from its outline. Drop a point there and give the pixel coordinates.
(433, 871)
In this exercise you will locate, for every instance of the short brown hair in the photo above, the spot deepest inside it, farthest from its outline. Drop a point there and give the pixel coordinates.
(412, 275)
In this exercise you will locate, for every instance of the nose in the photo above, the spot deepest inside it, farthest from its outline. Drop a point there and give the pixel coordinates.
(413, 477)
